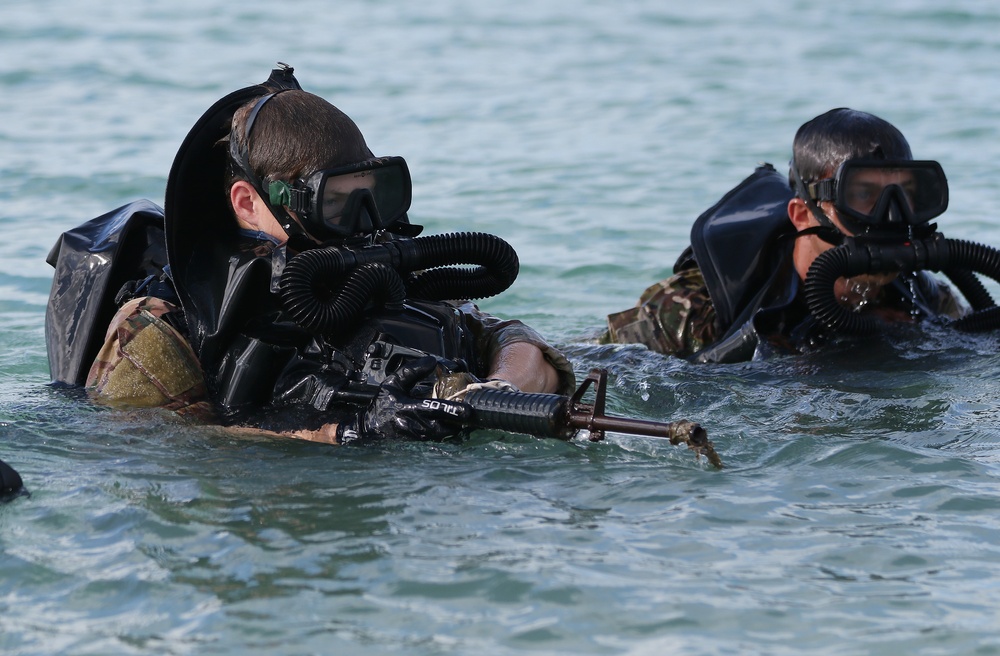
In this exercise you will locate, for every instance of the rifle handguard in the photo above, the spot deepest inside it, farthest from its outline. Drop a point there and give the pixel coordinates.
(538, 414)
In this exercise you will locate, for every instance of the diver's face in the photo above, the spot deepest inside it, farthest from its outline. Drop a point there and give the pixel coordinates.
(854, 292)
(338, 189)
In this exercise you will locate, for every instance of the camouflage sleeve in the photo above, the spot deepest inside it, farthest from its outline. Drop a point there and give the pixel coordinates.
(145, 362)
(493, 334)
(675, 317)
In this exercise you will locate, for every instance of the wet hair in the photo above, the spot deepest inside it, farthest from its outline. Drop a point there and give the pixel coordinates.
(825, 142)
(295, 133)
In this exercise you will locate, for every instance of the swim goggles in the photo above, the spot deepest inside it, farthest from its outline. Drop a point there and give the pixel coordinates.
(347, 200)
(879, 193)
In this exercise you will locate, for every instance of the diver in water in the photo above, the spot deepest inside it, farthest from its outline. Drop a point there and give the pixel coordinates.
(243, 320)
(846, 252)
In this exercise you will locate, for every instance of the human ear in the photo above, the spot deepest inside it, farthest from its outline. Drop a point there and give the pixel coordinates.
(243, 197)
(799, 214)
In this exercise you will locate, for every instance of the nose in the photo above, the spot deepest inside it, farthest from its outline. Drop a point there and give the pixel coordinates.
(897, 210)
(361, 214)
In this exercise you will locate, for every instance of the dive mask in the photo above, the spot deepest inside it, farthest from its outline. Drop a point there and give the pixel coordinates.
(348, 200)
(884, 194)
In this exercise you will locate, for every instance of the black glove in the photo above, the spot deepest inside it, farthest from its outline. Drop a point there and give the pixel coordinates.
(394, 413)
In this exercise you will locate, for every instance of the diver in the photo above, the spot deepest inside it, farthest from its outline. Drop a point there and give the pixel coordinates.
(282, 263)
(846, 253)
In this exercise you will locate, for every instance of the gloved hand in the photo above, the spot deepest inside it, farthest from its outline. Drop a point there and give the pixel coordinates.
(394, 413)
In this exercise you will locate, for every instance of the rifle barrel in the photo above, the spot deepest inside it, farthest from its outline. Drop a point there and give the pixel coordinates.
(668, 430)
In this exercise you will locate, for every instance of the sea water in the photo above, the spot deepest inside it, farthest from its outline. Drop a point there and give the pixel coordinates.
(859, 509)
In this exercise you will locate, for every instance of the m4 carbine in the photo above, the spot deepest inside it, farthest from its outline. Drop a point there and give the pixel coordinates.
(543, 415)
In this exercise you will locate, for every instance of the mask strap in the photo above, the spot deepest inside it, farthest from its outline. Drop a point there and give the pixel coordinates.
(828, 234)
(803, 193)
(240, 155)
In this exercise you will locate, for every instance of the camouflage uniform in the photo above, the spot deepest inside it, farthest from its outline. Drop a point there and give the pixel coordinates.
(675, 317)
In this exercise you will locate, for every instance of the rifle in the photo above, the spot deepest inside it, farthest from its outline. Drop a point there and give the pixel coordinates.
(543, 415)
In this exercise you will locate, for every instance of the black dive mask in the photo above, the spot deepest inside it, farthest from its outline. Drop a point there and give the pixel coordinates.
(349, 200)
(882, 195)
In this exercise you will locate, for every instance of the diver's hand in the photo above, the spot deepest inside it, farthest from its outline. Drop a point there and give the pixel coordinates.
(394, 413)
(454, 386)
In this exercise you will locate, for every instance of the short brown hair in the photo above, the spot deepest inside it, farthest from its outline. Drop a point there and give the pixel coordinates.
(295, 133)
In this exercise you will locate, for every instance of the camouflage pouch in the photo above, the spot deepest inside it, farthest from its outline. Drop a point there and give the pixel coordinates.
(146, 362)
(674, 317)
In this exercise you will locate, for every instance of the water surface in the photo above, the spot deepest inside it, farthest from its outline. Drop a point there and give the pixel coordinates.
(858, 509)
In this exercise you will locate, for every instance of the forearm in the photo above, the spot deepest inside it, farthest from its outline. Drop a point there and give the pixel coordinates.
(525, 366)
(517, 353)
(325, 434)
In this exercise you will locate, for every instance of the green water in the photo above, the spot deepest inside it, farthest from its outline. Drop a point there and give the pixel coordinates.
(858, 510)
